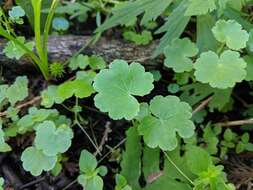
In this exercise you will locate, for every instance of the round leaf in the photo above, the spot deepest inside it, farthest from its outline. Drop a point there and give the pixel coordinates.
(117, 87)
(35, 161)
(60, 24)
(170, 117)
(220, 72)
(231, 33)
(52, 140)
(178, 55)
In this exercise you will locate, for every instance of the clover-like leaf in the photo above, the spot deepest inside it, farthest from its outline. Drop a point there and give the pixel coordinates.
(117, 87)
(220, 72)
(13, 50)
(18, 90)
(170, 117)
(178, 55)
(52, 140)
(35, 161)
(200, 7)
(231, 33)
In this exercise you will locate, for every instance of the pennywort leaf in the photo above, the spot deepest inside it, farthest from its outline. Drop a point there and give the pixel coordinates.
(117, 87)
(231, 33)
(35, 161)
(18, 90)
(178, 55)
(169, 117)
(14, 51)
(52, 140)
(220, 72)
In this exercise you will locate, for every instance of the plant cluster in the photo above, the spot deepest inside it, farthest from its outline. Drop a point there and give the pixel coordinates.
(205, 65)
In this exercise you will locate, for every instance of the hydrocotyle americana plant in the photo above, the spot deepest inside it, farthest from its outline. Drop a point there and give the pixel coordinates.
(40, 58)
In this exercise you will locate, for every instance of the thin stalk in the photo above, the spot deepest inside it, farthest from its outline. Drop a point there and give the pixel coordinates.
(47, 28)
(37, 30)
(178, 169)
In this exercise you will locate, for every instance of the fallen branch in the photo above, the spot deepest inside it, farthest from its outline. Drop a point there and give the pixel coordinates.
(60, 48)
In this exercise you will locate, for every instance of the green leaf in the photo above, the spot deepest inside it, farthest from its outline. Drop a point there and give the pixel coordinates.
(1, 183)
(50, 96)
(131, 163)
(35, 161)
(249, 69)
(94, 183)
(87, 162)
(194, 93)
(220, 72)
(121, 183)
(231, 33)
(139, 39)
(3, 90)
(173, 27)
(18, 91)
(173, 88)
(27, 122)
(14, 51)
(170, 117)
(80, 87)
(128, 11)
(60, 24)
(16, 12)
(198, 160)
(200, 7)
(52, 140)
(178, 55)
(211, 140)
(97, 62)
(205, 39)
(128, 81)
(80, 61)
(4, 147)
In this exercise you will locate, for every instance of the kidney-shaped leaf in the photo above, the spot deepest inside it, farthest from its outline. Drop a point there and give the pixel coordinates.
(231, 33)
(52, 140)
(178, 55)
(35, 161)
(117, 87)
(220, 72)
(170, 117)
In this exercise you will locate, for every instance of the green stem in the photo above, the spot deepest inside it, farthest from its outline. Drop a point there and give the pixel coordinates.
(220, 49)
(37, 29)
(178, 169)
(47, 28)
